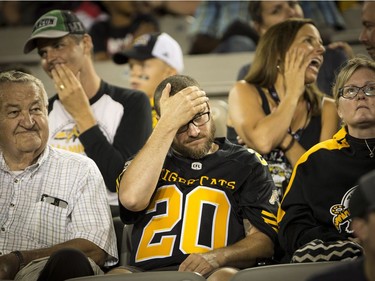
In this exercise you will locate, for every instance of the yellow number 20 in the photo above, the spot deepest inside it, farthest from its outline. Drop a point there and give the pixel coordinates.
(191, 215)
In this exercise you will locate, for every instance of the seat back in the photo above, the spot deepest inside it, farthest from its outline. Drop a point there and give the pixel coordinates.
(13, 39)
(282, 272)
(219, 109)
(126, 244)
(145, 276)
(119, 226)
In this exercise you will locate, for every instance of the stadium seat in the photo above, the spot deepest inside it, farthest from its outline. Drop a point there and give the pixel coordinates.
(11, 48)
(126, 245)
(283, 272)
(219, 109)
(119, 227)
(145, 276)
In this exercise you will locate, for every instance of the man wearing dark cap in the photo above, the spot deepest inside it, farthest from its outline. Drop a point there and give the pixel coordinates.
(362, 210)
(152, 58)
(87, 115)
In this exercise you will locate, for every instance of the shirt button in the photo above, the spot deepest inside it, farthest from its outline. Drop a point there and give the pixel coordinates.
(3, 229)
(16, 180)
(11, 204)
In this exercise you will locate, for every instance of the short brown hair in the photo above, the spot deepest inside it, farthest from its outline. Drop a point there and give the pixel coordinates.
(178, 83)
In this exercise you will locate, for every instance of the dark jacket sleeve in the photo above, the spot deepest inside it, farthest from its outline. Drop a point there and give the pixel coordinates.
(298, 225)
(134, 129)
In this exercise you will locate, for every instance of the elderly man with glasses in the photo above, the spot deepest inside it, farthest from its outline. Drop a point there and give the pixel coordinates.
(197, 203)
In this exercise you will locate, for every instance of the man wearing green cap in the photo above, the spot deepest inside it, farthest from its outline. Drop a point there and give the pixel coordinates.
(87, 115)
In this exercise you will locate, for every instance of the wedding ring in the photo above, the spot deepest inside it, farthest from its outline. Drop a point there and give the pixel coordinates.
(62, 87)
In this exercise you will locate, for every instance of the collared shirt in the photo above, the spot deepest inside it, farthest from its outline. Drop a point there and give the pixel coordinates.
(59, 198)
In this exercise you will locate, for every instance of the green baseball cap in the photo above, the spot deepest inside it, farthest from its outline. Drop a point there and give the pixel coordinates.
(54, 24)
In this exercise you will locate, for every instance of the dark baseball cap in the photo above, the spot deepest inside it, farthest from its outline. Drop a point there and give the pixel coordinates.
(54, 24)
(153, 45)
(362, 200)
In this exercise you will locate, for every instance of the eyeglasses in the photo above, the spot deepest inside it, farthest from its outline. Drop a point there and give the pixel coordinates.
(350, 92)
(198, 120)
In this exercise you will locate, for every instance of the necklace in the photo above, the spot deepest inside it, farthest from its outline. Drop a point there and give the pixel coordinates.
(371, 150)
(298, 133)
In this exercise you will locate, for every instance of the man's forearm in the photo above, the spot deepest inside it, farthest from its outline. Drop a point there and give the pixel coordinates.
(87, 247)
(140, 178)
(247, 251)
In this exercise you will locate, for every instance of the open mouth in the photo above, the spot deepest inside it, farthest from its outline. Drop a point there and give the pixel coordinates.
(51, 66)
(315, 64)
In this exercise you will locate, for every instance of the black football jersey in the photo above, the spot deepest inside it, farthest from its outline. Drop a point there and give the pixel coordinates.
(200, 205)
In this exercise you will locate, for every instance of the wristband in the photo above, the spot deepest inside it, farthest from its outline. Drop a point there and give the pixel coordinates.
(21, 261)
(289, 145)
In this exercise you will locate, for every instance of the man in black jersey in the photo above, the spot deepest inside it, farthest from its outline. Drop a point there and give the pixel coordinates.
(197, 203)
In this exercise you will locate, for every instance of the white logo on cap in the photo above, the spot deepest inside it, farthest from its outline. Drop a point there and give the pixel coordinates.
(46, 22)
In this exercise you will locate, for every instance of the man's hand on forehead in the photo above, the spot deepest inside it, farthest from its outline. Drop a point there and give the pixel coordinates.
(184, 105)
(195, 96)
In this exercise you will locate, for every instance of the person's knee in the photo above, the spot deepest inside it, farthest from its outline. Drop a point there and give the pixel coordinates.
(223, 274)
(119, 270)
(69, 254)
(66, 263)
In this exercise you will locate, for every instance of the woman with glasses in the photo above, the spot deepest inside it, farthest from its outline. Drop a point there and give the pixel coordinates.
(314, 209)
(278, 110)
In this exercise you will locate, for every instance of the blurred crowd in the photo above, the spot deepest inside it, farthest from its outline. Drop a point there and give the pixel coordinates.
(217, 26)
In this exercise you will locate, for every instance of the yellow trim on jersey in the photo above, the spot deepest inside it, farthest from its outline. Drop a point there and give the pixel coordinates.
(260, 157)
(337, 142)
(270, 219)
(118, 181)
(153, 113)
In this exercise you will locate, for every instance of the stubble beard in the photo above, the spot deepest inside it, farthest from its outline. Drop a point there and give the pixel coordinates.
(197, 152)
